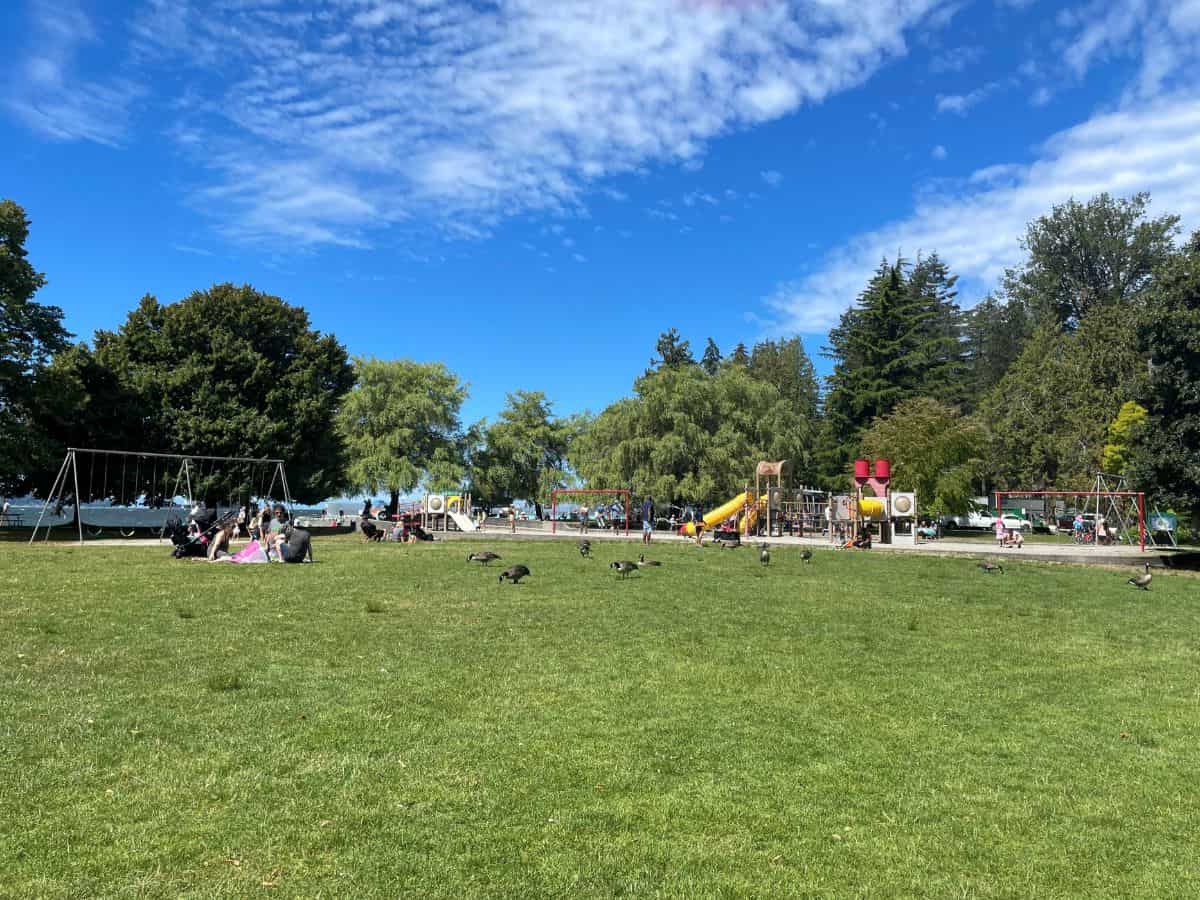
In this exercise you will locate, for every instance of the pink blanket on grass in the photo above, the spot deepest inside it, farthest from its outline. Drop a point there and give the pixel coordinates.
(251, 553)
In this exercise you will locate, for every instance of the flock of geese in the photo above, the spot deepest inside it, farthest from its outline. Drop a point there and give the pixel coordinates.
(625, 567)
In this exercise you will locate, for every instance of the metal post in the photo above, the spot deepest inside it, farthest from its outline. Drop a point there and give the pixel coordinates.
(174, 491)
(627, 495)
(554, 512)
(287, 493)
(78, 510)
(1141, 498)
(49, 497)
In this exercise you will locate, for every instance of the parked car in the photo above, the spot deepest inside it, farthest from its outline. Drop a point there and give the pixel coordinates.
(1013, 522)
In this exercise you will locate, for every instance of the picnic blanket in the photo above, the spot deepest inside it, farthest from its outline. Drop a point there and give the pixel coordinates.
(253, 552)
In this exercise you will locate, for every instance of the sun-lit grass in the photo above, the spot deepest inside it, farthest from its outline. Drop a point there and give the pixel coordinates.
(392, 722)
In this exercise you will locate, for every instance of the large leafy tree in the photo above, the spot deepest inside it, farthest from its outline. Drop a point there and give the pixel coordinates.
(934, 450)
(401, 428)
(687, 436)
(1086, 255)
(229, 371)
(523, 455)
(1048, 417)
(1166, 461)
(30, 333)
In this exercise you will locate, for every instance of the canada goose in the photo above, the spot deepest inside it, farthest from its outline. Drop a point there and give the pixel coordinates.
(642, 561)
(989, 567)
(623, 566)
(513, 574)
(805, 555)
(585, 549)
(484, 557)
(764, 554)
(1142, 582)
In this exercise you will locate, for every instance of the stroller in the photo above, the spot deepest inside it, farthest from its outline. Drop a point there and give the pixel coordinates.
(192, 540)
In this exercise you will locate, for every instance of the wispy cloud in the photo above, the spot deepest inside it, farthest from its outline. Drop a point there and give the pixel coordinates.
(194, 251)
(938, 152)
(331, 123)
(49, 96)
(772, 178)
(1149, 148)
(960, 103)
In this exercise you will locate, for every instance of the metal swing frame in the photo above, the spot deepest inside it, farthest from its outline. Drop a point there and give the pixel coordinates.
(68, 475)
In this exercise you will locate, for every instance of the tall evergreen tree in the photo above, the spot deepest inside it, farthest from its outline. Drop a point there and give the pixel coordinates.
(673, 351)
(996, 332)
(1166, 460)
(785, 365)
(711, 361)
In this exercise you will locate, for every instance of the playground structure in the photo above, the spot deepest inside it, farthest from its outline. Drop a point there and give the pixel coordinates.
(439, 511)
(770, 508)
(624, 494)
(118, 497)
(853, 515)
(1109, 501)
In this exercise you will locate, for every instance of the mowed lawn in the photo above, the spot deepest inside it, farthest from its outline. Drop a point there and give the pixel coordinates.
(392, 722)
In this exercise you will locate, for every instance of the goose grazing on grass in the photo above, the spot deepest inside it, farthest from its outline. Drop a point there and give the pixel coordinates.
(989, 567)
(484, 557)
(805, 555)
(623, 566)
(1142, 582)
(643, 562)
(585, 549)
(514, 574)
(764, 554)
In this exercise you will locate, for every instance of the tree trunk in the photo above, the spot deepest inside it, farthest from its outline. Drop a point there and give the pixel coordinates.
(538, 508)
(394, 506)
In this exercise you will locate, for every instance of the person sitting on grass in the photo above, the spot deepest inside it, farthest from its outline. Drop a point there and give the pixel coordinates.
(291, 545)
(219, 546)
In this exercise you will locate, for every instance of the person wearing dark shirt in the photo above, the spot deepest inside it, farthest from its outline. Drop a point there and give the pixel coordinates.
(293, 545)
(647, 519)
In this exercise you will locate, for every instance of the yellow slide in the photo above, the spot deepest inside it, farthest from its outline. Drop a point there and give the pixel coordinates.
(723, 512)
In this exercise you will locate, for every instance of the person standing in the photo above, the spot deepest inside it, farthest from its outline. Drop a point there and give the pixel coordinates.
(512, 519)
(583, 519)
(647, 519)
(1001, 531)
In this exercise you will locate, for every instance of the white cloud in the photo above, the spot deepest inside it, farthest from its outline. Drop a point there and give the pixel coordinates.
(938, 152)
(1152, 148)
(960, 103)
(1041, 96)
(772, 178)
(466, 113)
(47, 95)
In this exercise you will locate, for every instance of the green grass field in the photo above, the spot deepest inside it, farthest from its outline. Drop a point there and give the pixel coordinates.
(392, 722)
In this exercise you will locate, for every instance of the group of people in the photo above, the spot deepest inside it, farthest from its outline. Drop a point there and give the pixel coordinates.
(270, 526)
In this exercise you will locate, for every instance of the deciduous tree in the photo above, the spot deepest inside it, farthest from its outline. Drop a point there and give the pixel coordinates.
(400, 425)
(30, 333)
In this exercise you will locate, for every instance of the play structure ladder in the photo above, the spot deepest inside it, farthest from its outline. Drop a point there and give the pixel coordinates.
(464, 522)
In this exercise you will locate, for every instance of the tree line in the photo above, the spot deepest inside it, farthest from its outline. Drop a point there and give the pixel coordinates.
(1084, 358)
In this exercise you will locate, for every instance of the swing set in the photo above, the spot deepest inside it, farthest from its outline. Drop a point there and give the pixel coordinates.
(128, 490)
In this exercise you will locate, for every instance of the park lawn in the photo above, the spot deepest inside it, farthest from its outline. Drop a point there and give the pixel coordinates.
(392, 721)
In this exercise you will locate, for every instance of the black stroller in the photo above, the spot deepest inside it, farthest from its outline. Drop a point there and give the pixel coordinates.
(192, 540)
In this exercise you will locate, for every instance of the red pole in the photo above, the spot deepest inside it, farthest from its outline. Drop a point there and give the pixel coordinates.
(998, 511)
(627, 514)
(1142, 521)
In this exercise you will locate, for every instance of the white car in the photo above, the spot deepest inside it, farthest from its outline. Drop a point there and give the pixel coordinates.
(1014, 522)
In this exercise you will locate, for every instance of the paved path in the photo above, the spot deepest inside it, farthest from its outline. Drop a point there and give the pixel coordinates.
(1061, 553)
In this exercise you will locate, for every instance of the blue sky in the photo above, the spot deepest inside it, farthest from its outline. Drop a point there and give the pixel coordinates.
(530, 191)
